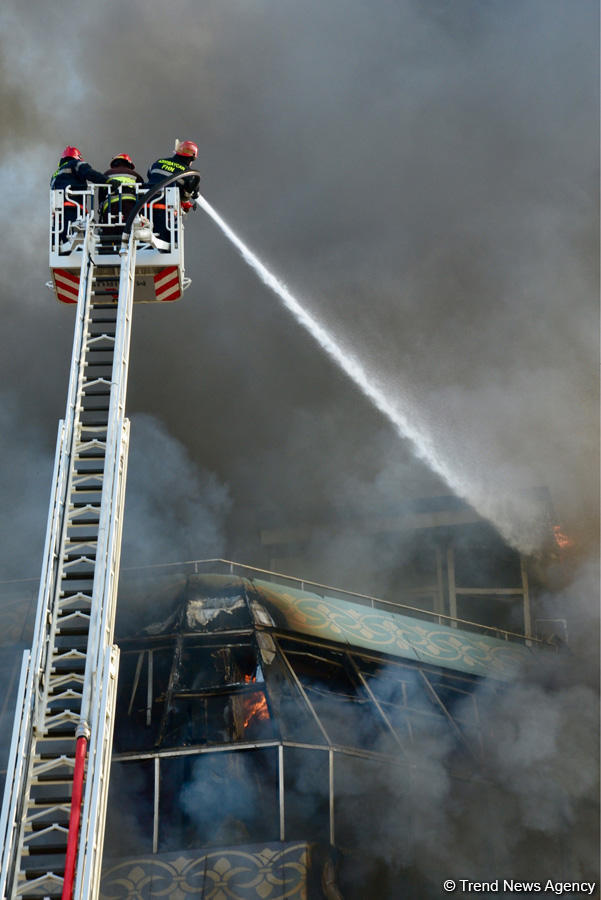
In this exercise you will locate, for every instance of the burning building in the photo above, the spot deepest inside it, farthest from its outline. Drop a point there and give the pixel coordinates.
(269, 730)
(277, 737)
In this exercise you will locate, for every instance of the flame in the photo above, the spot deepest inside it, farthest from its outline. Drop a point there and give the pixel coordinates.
(249, 678)
(561, 539)
(256, 710)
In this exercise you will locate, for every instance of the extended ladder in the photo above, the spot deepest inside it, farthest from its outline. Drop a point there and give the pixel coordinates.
(68, 681)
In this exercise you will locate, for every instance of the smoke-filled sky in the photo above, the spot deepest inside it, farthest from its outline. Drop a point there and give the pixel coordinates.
(422, 174)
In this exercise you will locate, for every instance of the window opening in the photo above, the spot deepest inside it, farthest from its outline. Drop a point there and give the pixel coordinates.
(404, 697)
(219, 798)
(215, 695)
(340, 701)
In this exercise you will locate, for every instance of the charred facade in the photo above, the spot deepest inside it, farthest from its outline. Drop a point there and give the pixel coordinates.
(277, 738)
(272, 739)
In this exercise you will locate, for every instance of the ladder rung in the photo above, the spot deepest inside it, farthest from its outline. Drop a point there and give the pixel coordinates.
(68, 610)
(53, 779)
(56, 683)
(55, 736)
(43, 849)
(58, 801)
(61, 665)
(66, 719)
(96, 382)
(71, 646)
(70, 654)
(98, 338)
(80, 558)
(38, 825)
(84, 446)
(80, 545)
(75, 618)
(45, 892)
(72, 631)
(41, 872)
(84, 538)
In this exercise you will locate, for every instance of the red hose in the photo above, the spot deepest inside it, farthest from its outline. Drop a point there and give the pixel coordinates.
(81, 749)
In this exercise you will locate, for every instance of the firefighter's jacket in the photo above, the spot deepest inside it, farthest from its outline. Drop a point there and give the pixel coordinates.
(120, 177)
(171, 165)
(74, 173)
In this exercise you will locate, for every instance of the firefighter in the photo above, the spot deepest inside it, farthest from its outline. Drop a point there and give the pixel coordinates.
(121, 178)
(73, 173)
(185, 154)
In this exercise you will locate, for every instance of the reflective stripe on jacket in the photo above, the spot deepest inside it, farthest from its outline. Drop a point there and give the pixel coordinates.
(173, 165)
(119, 178)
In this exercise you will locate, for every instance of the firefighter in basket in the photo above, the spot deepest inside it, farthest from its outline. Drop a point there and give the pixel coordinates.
(185, 154)
(73, 174)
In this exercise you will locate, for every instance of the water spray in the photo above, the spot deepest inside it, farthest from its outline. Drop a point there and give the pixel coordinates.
(403, 422)
(341, 356)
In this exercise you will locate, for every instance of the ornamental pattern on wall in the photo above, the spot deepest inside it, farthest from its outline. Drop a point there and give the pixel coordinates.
(268, 872)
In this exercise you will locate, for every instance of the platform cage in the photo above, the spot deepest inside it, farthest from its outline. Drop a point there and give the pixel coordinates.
(158, 229)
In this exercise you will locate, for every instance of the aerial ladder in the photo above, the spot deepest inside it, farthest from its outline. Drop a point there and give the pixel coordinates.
(55, 800)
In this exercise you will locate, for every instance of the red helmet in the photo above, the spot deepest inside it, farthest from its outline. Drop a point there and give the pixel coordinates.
(186, 148)
(73, 152)
(123, 158)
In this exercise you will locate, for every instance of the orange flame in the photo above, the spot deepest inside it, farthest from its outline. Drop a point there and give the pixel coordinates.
(561, 539)
(256, 709)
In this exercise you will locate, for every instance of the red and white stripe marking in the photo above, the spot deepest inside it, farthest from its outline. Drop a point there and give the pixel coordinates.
(66, 285)
(166, 284)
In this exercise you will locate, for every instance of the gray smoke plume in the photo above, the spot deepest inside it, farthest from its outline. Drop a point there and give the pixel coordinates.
(173, 510)
(432, 194)
(423, 174)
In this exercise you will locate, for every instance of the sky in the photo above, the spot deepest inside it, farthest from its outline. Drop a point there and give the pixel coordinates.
(424, 179)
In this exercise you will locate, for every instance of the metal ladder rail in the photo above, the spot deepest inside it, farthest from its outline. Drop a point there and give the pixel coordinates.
(29, 757)
(62, 627)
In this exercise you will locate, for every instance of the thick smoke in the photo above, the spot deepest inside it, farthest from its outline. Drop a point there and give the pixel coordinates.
(173, 510)
(533, 812)
(25, 490)
(432, 193)
(509, 792)
(424, 174)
